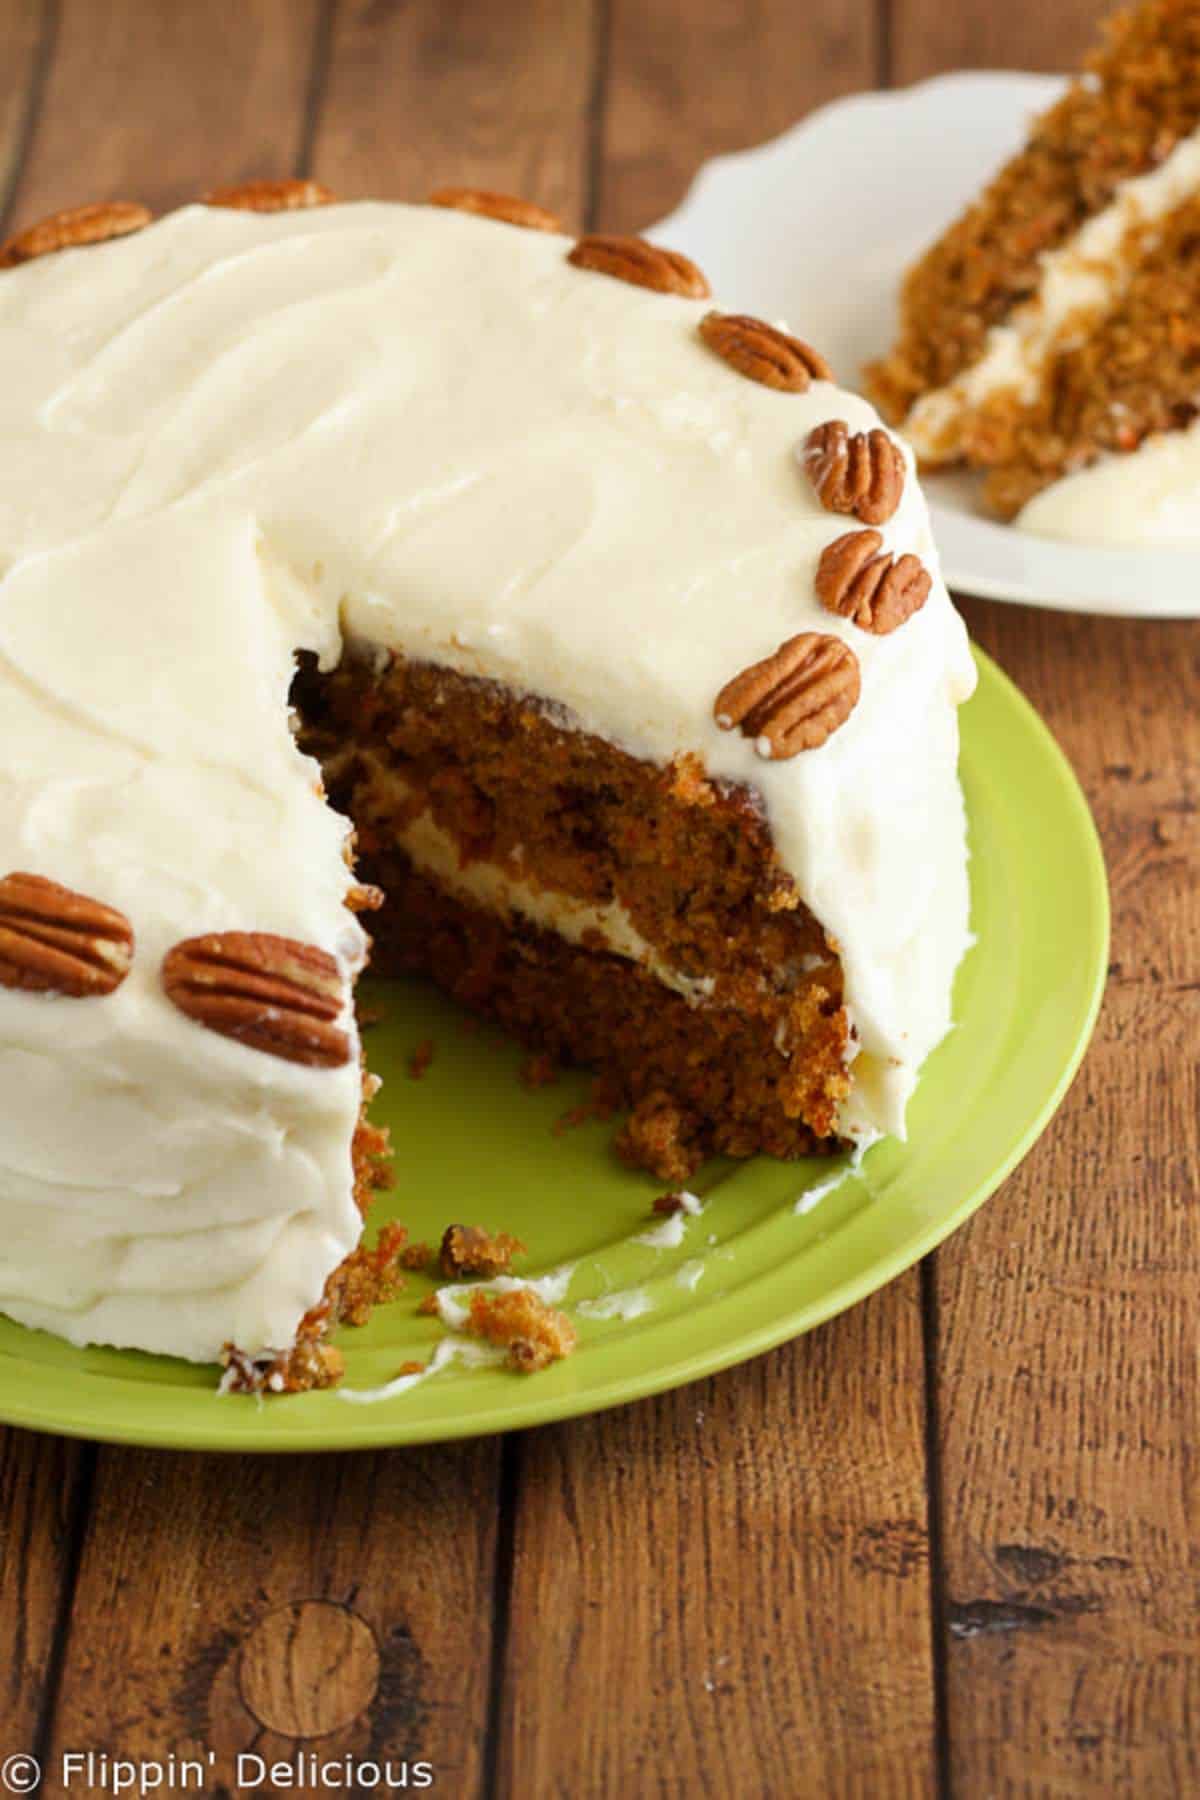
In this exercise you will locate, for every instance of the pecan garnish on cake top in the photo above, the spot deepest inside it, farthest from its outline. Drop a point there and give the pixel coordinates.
(860, 581)
(270, 993)
(795, 699)
(763, 353)
(55, 941)
(860, 472)
(507, 208)
(93, 224)
(645, 265)
(289, 195)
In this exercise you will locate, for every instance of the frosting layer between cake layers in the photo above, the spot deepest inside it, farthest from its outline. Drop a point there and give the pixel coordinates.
(233, 436)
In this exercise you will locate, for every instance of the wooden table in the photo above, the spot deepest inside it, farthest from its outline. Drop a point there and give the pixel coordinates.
(949, 1543)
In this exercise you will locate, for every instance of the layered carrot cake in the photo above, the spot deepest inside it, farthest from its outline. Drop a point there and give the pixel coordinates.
(1051, 337)
(591, 622)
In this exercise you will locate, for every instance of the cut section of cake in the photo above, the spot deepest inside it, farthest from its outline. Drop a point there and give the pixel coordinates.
(1056, 324)
(597, 625)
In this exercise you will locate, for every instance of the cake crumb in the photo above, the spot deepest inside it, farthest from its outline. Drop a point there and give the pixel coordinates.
(367, 1278)
(472, 1250)
(519, 1321)
(420, 1059)
(429, 1306)
(310, 1364)
(417, 1258)
(655, 1137)
(411, 1368)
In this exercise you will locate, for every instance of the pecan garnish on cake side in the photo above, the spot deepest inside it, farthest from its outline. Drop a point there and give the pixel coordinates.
(859, 581)
(795, 699)
(55, 941)
(645, 265)
(289, 195)
(507, 208)
(763, 353)
(93, 224)
(860, 472)
(270, 993)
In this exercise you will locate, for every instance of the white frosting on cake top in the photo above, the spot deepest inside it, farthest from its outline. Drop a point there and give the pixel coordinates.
(233, 436)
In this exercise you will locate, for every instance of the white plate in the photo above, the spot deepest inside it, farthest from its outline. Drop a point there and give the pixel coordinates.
(818, 226)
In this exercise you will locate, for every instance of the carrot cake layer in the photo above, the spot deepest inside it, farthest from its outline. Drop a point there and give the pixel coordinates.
(1053, 325)
(622, 640)
(627, 915)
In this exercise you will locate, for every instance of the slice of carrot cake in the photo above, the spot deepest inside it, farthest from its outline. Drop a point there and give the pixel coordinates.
(610, 628)
(1056, 325)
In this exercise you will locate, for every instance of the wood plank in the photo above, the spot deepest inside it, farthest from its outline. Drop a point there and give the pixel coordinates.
(1067, 1383)
(42, 1481)
(457, 92)
(25, 33)
(158, 103)
(687, 82)
(741, 1570)
(250, 1606)
(928, 35)
(280, 1608)
(1067, 1337)
(43, 1485)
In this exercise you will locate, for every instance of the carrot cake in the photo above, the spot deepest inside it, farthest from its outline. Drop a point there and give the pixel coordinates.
(1051, 337)
(596, 624)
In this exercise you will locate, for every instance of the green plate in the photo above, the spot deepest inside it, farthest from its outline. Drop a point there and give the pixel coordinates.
(475, 1146)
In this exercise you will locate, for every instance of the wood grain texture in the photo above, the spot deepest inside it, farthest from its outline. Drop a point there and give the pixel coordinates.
(685, 82)
(1067, 1337)
(159, 103)
(445, 93)
(42, 1486)
(1068, 1326)
(25, 32)
(929, 35)
(740, 1570)
(39, 1478)
(276, 1606)
(725, 1591)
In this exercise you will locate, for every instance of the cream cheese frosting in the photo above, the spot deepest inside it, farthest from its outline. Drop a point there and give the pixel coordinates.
(1149, 497)
(235, 436)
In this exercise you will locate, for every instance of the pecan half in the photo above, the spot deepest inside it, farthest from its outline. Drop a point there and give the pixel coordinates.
(78, 225)
(861, 473)
(794, 700)
(271, 993)
(876, 591)
(505, 207)
(54, 941)
(645, 265)
(762, 353)
(270, 196)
